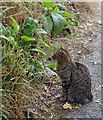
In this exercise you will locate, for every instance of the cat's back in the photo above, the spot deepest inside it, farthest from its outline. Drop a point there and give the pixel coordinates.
(81, 75)
(81, 68)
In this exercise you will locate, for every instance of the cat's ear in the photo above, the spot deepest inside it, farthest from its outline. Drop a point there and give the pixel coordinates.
(63, 53)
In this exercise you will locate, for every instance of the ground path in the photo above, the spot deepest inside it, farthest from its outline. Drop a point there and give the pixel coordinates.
(93, 61)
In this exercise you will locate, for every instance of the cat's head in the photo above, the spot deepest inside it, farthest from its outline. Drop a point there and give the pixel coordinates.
(60, 54)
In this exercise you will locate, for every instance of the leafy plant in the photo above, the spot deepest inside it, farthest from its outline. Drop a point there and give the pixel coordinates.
(22, 63)
(56, 18)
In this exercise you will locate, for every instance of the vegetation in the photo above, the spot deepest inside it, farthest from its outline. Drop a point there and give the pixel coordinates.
(24, 53)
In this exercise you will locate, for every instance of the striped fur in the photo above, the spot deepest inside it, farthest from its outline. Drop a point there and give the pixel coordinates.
(75, 78)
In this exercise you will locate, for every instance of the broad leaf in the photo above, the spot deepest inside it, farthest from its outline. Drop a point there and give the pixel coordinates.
(59, 22)
(66, 14)
(29, 27)
(48, 24)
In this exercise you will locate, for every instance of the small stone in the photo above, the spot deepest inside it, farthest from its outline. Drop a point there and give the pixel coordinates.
(99, 22)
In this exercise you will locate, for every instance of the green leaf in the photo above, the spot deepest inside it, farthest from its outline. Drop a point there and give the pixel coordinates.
(27, 39)
(59, 22)
(38, 65)
(15, 27)
(48, 3)
(78, 15)
(29, 27)
(41, 31)
(30, 67)
(66, 14)
(51, 65)
(8, 31)
(9, 39)
(2, 29)
(5, 31)
(74, 22)
(55, 10)
(39, 51)
(48, 24)
(4, 37)
(42, 42)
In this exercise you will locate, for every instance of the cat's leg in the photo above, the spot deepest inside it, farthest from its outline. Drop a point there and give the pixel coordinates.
(64, 97)
(70, 99)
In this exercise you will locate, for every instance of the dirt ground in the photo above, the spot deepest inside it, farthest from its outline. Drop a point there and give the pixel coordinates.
(86, 49)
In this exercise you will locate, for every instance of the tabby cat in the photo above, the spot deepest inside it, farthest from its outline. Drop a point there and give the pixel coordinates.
(75, 77)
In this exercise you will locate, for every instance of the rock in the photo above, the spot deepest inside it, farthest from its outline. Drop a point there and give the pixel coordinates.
(99, 22)
(50, 73)
(50, 76)
(89, 24)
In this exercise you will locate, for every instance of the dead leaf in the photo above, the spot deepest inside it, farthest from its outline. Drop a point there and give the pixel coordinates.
(67, 106)
(44, 108)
